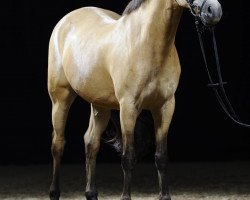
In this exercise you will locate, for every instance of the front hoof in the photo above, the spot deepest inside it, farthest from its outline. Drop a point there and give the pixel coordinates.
(54, 195)
(91, 195)
(126, 198)
(166, 197)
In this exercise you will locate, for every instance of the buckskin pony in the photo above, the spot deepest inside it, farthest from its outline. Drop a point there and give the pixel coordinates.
(128, 63)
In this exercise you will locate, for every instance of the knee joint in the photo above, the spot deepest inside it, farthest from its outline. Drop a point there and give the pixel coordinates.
(57, 147)
(91, 149)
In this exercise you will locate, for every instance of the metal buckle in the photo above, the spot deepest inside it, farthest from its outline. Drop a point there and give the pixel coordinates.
(216, 84)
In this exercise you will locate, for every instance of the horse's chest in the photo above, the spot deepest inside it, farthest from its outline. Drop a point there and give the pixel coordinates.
(157, 91)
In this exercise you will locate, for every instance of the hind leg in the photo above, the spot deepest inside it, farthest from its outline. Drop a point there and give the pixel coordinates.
(162, 119)
(98, 122)
(62, 98)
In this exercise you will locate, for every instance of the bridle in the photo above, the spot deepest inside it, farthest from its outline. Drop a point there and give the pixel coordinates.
(217, 87)
(196, 10)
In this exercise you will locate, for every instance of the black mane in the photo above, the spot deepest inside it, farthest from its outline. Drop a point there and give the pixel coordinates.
(133, 5)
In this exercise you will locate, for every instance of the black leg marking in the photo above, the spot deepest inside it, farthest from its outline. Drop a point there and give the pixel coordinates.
(128, 162)
(91, 195)
(54, 194)
(161, 161)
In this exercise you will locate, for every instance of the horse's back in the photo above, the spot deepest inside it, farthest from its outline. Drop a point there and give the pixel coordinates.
(75, 57)
(82, 20)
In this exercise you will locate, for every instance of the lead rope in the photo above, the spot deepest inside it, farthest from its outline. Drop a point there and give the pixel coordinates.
(227, 107)
(220, 77)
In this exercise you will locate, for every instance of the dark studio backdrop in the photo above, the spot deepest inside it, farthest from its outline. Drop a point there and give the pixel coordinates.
(200, 131)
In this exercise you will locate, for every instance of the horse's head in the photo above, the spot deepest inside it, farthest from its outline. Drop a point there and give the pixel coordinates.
(209, 11)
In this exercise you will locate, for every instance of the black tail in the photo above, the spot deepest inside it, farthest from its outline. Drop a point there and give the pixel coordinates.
(144, 133)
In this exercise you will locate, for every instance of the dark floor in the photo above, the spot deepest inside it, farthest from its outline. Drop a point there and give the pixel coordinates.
(188, 181)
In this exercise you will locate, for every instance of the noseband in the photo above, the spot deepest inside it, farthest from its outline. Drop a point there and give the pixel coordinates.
(196, 10)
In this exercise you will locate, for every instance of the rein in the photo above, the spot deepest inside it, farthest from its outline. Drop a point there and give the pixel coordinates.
(218, 87)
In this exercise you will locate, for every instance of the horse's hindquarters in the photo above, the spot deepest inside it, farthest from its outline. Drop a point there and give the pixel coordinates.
(80, 44)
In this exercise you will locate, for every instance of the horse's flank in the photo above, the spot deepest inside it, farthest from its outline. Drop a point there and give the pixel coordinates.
(73, 39)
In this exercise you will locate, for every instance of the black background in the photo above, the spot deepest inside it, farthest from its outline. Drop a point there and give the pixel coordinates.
(200, 131)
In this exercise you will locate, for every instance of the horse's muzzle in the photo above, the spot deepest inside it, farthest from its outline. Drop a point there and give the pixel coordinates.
(211, 13)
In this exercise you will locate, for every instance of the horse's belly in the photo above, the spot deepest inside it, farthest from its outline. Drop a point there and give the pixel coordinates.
(85, 70)
(97, 93)
(101, 97)
(93, 85)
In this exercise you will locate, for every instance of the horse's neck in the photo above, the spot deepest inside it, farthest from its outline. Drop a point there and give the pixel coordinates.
(156, 23)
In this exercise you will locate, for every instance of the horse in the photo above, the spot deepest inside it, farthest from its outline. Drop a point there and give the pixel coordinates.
(125, 62)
